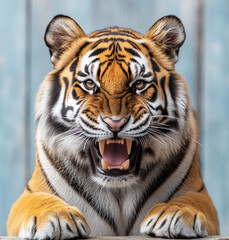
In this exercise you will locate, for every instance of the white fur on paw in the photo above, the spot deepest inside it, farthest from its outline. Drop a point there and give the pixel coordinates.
(174, 222)
(54, 227)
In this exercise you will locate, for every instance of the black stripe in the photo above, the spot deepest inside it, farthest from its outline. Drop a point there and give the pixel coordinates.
(173, 86)
(74, 94)
(45, 176)
(171, 124)
(169, 231)
(81, 74)
(202, 188)
(106, 31)
(34, 227)
(158, 219)
(60, 228)
(140, 108)
(153, 97)
(114, 34)
(129, 32)
(121, 56)
(163, 223)
(96, 43)
(194, 222)
(89, 125)
(155, 66)
(79, 108)
(140, 125)
(108, 65)
(133, 44)
(124, 71)
(79, 188)
(97, 52)
(162, 81)
(73, 65)
(182, 181)
(79, 232)
(100, 31)
(86, 69)
(64, 109)
(132, 52)
(55, 89)
(146, 75)
(56, 126)
(28, 188)
(81, 48)
(88, 110)
(123, 61)
(167, 170)
(144, 173)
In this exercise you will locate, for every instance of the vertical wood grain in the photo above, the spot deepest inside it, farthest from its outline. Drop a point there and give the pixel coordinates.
(215, 98)
(12, 105)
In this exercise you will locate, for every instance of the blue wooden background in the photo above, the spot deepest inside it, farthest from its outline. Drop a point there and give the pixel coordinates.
(24, 61)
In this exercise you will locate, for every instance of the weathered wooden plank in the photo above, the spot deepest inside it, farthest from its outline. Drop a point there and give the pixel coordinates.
(215, 123)
(12, 105)
(130, 238)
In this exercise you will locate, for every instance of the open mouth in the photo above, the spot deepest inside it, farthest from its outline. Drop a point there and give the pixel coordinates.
(115, 157)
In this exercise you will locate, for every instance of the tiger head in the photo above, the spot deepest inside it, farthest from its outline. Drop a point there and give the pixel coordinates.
(114, 102)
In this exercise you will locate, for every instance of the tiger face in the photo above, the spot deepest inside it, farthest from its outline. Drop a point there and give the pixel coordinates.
(113, 101)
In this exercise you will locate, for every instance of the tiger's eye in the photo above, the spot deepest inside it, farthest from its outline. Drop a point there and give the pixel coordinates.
(89, 84)
(140, 84)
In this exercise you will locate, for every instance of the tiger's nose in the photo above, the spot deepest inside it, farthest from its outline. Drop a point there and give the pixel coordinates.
(115, 125)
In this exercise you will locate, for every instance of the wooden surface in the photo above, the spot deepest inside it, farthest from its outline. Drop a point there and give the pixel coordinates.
(24, 61)
(131, 238)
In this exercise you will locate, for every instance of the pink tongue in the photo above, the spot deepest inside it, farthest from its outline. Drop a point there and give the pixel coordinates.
(115, 153)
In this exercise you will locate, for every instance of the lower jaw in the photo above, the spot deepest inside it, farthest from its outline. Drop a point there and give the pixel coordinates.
(116, 174)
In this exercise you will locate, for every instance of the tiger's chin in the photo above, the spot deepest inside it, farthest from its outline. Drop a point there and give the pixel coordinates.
(115, 162)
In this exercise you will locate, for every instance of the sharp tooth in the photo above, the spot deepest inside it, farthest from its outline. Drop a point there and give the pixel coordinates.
(104, 164)
(122, 141)
(129, 144)
(125, 165)
(107, 141)
(101, 146)
(115, 167)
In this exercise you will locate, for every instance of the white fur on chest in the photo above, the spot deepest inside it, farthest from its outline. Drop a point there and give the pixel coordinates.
(120, 207)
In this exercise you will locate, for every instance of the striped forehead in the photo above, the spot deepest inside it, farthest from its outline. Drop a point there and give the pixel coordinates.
(125, 52)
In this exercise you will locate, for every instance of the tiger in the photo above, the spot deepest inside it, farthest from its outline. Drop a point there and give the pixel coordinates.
(117, 150)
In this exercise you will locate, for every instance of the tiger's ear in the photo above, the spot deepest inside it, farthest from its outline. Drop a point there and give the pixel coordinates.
(168, 34)
(59, 35)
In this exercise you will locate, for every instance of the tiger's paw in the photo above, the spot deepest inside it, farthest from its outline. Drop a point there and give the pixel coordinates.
(59, 224)
(168, 221)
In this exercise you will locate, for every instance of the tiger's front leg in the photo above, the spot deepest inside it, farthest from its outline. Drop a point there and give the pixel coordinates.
(191, 215)
(45, 216)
